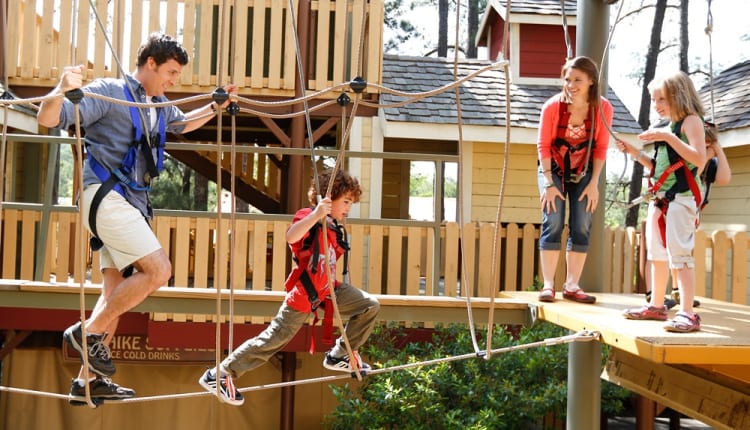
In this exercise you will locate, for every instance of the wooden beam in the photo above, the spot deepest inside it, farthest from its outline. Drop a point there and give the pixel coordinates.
(722, 406)
(13, 341)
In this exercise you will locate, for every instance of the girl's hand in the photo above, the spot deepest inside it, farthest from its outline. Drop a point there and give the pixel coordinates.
(323, 208)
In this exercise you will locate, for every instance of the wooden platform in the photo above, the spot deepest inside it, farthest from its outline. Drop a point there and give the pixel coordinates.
(724, 338)
(202, 301)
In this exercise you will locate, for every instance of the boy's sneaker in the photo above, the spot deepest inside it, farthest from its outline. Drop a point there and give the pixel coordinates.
(100, 359)
(341, 364)
(683, 323)
(646, 313)
(100, 389)
(227, 392)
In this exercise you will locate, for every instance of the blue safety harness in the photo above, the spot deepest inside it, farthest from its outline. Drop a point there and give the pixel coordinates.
(122, 176)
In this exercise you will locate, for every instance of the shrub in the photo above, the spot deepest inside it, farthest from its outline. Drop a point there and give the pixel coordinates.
(508, 391)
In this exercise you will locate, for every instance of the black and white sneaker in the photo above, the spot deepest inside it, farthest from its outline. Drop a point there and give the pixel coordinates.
(227, 392)
(100, 389)
(341, 364)
(99, 357)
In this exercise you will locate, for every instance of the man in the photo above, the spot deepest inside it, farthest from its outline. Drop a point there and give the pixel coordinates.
(124, 147)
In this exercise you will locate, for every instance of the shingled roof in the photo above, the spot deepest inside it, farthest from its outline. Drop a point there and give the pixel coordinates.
(731, 97)
(482, 98)
(537, 7)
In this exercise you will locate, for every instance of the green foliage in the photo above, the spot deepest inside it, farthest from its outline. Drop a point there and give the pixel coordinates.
(508, 391)
(420, 185)
(174, 187)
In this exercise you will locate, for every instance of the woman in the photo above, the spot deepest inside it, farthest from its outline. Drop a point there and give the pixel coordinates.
(572, 148)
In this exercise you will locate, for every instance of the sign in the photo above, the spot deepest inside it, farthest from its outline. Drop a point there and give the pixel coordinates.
(135, 349)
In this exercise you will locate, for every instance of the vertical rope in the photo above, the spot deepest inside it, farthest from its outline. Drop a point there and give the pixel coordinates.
(709, 30)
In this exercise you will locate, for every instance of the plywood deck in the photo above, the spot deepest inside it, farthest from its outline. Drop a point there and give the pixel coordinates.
(724, 338)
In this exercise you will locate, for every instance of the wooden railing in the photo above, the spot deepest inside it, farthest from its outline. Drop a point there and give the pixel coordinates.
(387, 257)
(253, 40)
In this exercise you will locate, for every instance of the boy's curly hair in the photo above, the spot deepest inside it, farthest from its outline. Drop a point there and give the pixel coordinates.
(343, 183)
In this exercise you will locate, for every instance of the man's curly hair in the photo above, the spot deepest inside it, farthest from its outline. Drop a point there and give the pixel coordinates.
(343, 183)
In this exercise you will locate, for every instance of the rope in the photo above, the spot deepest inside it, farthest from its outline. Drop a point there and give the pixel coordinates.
(495, 275)
(581, 336)
(709, 31)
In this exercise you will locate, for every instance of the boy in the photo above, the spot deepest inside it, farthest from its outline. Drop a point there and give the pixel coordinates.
(307, 287)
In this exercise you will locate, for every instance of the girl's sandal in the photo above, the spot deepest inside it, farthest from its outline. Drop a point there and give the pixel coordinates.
(547, 295)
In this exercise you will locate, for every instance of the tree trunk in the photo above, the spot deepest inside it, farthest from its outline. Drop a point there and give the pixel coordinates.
(631, 219)
(473, 26)
(442, 51)
(200, 193)
(684, 39)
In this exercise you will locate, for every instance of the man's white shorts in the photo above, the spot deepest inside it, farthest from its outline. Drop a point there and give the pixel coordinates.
(126, 235)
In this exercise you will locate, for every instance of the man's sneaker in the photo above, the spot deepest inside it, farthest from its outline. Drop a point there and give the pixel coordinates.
(100, 359)
(341, 364)
(683, 323)
(646, 313)
(100, 389)
(227, 392)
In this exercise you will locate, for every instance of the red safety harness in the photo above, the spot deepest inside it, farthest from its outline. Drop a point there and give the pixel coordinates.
(684, 181)
(310, 275)
(566, 155)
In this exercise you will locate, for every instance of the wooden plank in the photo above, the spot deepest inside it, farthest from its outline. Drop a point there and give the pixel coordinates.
(630, 266)
(468, 278)
(375, 260)
(205, 45)
(393, 280)
(431, 284)
(154, 15)
(413, 251)
(12, 37)
(82, 36)
(171, 21)
(451, 259)
(275, 49)
(66, 227)
(528, 255)
(290, 55)
(700, 397)
(356, 255)
(341, 35)
(260, 248)
(239, 260)
(511, 257)
(10, 236)
(28, 41)
(28, 242)
(739, 268)
(699, 254)
(321, 47)
(136, 35)
(279, 255)
(373, 60)
(485, 262)
(47, 41)
(202, 247)
(240, 34)
(100, 45)
(258, 44)
(188, 40)
(181, 259)
(356, 56)
(719, 258)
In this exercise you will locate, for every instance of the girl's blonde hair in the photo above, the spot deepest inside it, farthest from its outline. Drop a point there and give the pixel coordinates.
(681, 95)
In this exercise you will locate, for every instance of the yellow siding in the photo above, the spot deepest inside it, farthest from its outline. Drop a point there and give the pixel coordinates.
(520, 201)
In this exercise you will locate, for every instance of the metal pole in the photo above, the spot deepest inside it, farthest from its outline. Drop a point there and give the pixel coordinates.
(584, 385)
(585, 358)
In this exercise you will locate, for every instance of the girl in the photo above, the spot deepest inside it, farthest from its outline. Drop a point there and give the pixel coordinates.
(670, 234)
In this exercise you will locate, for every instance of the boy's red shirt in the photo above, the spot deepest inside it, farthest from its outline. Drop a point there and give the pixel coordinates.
(296, 296)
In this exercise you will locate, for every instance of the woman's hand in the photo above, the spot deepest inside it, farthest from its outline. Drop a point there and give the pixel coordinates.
(549, 198)
(592, 192)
